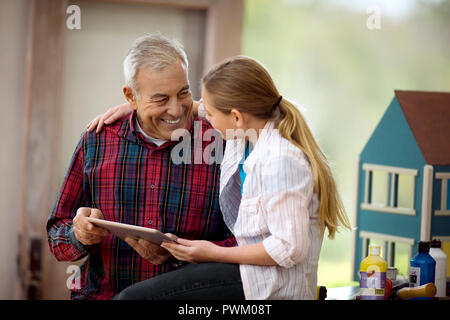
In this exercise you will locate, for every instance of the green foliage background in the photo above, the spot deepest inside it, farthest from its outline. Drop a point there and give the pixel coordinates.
(343, 75)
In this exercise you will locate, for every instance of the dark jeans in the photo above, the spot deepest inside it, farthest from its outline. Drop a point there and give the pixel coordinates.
(204, 281)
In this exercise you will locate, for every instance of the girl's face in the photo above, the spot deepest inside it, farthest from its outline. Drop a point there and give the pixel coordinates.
(219, 120)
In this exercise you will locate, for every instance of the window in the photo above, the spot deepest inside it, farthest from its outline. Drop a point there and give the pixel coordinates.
(400, 257)
(379, 194)
(444, 194)
(389, 189)
(404, 197)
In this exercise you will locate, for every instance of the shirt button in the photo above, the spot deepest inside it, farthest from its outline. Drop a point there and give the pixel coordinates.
(150, 222)
(152, 186)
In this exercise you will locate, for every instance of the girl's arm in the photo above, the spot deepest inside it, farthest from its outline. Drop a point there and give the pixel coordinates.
(118, 112)
(287, 189)
(205, 251)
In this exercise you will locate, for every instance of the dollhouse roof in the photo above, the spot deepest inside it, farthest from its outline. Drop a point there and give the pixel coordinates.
(428, 116)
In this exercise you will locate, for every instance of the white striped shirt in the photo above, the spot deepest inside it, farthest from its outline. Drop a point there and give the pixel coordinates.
(279, 209)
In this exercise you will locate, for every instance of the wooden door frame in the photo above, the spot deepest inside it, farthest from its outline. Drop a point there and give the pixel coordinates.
(43, 118)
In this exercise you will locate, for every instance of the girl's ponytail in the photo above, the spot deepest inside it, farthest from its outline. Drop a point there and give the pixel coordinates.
(294, 128)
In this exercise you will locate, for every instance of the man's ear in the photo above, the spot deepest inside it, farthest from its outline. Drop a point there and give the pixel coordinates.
(130, 96)
(238, 118)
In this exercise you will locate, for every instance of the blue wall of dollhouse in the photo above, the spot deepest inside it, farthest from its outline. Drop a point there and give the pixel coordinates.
(391, 144)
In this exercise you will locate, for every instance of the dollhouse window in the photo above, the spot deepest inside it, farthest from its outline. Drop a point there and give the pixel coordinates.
(444, 194)
(404, 195)
(389, 189)
(379, 195)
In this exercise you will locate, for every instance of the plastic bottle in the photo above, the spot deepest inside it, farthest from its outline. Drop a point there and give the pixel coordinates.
(422, 267)
(373, 275)
(441, 268)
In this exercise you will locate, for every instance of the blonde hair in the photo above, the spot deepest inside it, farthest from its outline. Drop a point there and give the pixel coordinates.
(243, 84)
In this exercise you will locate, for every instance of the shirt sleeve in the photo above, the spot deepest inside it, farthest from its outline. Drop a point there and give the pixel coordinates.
(287, 185)
(60, 234)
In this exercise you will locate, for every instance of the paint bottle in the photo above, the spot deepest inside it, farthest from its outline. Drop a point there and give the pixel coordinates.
(373, 275)
(422, 267)
(441, 268)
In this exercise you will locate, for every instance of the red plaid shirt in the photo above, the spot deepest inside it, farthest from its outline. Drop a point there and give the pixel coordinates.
(133, 181)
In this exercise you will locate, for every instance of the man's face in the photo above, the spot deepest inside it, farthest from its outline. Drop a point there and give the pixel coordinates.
(165, 102)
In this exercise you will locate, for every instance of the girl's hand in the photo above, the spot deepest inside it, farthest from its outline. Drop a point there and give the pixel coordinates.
(193, 251)
(110, 116)
(195, 105)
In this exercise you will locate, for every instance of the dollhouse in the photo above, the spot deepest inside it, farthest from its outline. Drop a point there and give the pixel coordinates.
(403, 173)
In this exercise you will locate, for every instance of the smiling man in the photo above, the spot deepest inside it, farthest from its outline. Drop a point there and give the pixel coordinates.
(125, 174)
(161, 98)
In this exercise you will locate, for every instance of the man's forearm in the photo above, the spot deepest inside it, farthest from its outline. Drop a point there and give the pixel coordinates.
(62, 241)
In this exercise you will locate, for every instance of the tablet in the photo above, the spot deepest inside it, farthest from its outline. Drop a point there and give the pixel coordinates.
(123, 230)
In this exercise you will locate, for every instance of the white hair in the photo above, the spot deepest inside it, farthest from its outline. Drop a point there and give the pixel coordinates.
(152, 51)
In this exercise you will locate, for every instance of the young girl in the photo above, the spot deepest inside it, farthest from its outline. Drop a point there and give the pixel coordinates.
(277, 192)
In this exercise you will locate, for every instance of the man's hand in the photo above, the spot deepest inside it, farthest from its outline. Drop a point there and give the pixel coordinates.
(86, 232)
(149, 251)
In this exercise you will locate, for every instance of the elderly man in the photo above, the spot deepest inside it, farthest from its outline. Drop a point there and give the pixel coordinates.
(125, 174)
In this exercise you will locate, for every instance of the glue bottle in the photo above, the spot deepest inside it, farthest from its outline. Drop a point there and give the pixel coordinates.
(422, 267)
(441, 268)
(373, 275)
